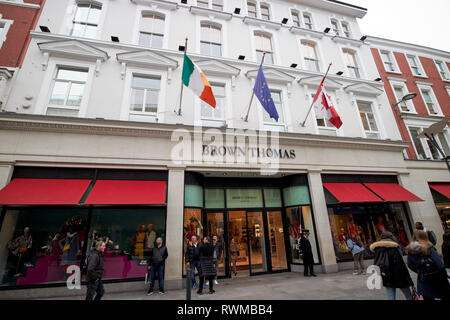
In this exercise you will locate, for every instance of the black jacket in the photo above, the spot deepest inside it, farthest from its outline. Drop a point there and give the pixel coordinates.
(393, 269)
(192, 253)
(95, 266)
(206, 260)
(306, 250)
(158, 256)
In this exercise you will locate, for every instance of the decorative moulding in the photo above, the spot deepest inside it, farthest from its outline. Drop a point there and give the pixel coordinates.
(218, 68)
(364, 89)
(306, 32)
(272, 75)
(169, 5)
(347, 41)
(212, 14)
(262, 23)
(315, 81)
(423, 83)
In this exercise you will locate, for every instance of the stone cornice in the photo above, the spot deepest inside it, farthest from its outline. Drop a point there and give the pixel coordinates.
(169, 5)
(210, 13)
(30, 122)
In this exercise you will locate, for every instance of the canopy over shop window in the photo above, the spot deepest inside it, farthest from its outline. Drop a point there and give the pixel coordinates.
(22, 191)
(392, 192)
(107, 192)
(351, 192)
(442, 188)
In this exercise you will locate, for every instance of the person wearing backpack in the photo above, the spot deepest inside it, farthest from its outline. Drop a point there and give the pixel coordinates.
(389, 258)
(424, 260)
(357, 249)
(430, 233)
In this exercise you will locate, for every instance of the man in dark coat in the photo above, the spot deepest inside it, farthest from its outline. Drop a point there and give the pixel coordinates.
(430, 233)
(217, 255)
(193, 258)
(95, 272)
(389, 258)
(306, 253)
(156, 262)
(207, 269)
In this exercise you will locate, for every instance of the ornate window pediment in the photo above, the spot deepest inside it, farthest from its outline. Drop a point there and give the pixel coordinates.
(306, 32)
(315, 81)
(261, 23)
(364, 89)
(146, 58)
(214, 67)
(210, 13)
(73, 49)
(272, 75)
(169, 5)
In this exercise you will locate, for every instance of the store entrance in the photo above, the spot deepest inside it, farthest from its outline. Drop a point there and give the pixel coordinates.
(252, 240)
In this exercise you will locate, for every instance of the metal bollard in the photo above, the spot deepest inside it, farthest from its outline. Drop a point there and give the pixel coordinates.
(188, 283)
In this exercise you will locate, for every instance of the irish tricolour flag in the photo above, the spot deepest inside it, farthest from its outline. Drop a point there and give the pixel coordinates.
(195, 79)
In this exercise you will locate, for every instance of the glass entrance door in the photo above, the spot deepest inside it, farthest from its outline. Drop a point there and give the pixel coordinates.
(239, 258)
(215, 225)
(256, 242)
(277, 240)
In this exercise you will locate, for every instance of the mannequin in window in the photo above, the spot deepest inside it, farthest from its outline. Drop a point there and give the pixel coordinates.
(151, 236)
(20, 248)
(189, 233)
(343, 241)
(362, 235)
(380, 227)
(70, 247)
(138, 240)
(402, 237)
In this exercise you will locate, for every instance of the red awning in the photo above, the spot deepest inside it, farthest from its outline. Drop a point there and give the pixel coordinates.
(351, 192)
(127, 192)
(22, 191)
(392, 192)
(442, 188)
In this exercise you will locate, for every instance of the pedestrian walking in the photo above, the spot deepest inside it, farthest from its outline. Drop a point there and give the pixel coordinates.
(95, 289)
(389, 258)
(430, 233)
(156, 262)
(207, 269)
(305, 252)
(424, 260)
(217, 255)
(193, 258)
(234, 254)
(357, 250)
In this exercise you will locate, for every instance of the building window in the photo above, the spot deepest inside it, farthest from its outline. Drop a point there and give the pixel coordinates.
(429, 101)
(4, 28)
(399, 94)
(217, 5)
(444, 144)
(217, 113)
(86, 20)
(203, 3)
(420, 150)
(295, 18)
(352, 65)
(251, 9)
(442, 70)
(346, 29)
(335, 26)
(310, 56)
(386, 57)
(269, 122)
(368, 120)
(152, 30)
(307, 20)
(414, 64)
(263, 43)
(67, 93)
(265, 12)
(144, 94)
(211, 40)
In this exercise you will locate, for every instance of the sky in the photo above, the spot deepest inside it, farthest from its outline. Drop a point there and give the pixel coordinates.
(425, 23)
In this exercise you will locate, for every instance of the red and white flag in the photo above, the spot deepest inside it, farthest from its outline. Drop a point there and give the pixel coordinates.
(326, 107)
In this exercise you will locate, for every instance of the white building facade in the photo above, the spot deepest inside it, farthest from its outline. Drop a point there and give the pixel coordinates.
(95, 107)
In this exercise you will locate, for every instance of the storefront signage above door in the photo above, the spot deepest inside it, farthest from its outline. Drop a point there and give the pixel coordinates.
(212, 150)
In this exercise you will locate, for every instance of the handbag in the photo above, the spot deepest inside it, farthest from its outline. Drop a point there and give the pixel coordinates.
(415, 294)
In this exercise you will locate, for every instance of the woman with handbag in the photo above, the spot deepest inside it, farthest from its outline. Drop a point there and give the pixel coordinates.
(234, 253)
(389, 258)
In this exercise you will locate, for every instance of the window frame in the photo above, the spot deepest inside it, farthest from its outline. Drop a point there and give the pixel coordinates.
(446, 72)
(424, 142)
(409, 103)
(419, 66)
(356, 59)
(269, 10)
(349, 30)
(392, 60)
(6, 26)
(211, 25)
(256, 50)
(317, 53)
(328, 126)
(255, 4)
(213, 118)
(434, 100)
(99, 24)
(143, 112)
(267, 124)
(309, 15)
(295, 12)
(337, 31)
(152, 33)
(375, 117)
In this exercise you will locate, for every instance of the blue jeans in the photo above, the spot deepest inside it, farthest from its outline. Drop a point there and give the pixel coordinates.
(392, 291)
(160, 271)
(194, 264)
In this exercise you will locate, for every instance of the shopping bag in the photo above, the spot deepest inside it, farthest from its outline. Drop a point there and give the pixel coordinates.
(415, 294)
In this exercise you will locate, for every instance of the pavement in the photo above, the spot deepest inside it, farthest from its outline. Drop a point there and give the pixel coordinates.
(281, 286)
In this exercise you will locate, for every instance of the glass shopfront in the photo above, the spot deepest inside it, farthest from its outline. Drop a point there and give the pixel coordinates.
(259, 220)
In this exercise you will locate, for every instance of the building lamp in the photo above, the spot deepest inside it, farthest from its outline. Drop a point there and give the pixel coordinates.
(430, 133)
(408, 96)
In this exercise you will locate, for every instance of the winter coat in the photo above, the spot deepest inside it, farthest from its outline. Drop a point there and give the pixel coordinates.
(437, 289)
(95, 266)
(192, 252)
(207, 268)
(389, 258)
(306, 250)
(354, 248)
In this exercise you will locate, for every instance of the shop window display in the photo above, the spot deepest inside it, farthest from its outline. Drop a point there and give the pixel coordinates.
(192, 225)
(129, 235)
(366, 223)
(300, 218)
(37, 245)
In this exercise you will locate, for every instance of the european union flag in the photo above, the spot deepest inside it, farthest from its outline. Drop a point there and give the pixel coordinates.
(262, 91)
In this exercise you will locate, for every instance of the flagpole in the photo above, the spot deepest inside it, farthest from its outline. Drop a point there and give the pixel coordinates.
(303, 124)
(253, 92)
(181, 93)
